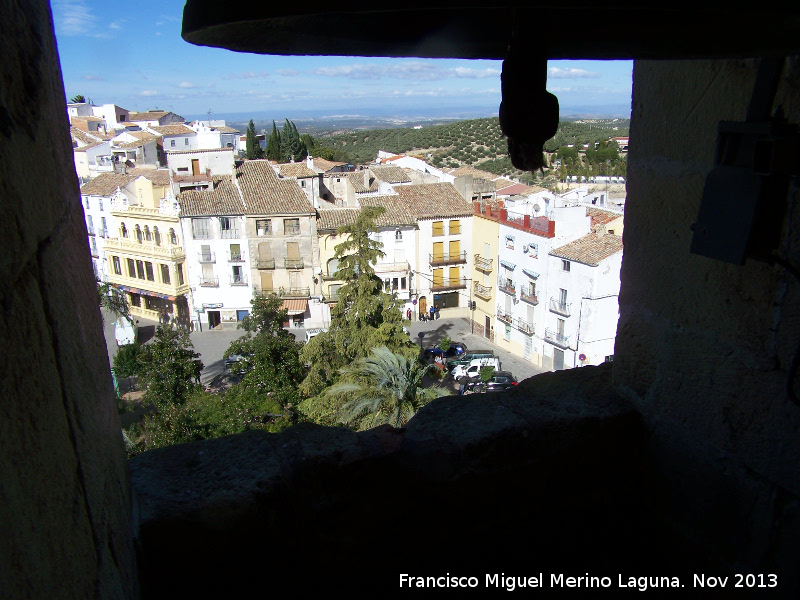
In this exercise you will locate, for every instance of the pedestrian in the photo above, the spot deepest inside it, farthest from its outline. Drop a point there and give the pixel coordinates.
(437, 311)
(431, 311)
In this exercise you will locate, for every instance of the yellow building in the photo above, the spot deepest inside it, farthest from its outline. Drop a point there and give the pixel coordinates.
(146, 258)
(485, 236)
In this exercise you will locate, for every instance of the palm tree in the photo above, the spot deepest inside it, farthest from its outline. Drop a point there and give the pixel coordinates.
(384, 388)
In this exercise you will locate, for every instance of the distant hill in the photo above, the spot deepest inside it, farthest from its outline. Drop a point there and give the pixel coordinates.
(477, 142)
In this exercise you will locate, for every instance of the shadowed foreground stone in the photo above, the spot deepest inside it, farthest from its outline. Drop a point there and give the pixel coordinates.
(547, 476)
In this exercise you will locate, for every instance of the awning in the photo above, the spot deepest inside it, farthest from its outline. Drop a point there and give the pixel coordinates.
(295, 306)
(141, 292)
(532, 274)
(508, 265)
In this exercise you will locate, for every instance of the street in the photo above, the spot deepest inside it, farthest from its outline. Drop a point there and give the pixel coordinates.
(211, 345)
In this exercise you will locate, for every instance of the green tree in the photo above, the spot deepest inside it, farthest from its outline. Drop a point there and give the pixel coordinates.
(114, 301)
(291, 146)
(169, 367)
(364, 317)
(270, 356)
(126, 360)
(78, 99)
(253, 148)
(274, 145)
(383, 388)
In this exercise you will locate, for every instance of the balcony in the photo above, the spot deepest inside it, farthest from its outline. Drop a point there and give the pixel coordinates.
(524, 326)
(481, 291)
(507, 286)
(237, 279)
(528, 294)
(235, 258)
(294, 292)
(209, 281)
(264, 290)
(560, 308)
(483, 264)
(173, 253)
(293, 263)
(103, 233)
(265, 263)
(206, 257)
(229, 234)
(446, 258)
(504, 316)
(555, 338)
(201, 234)
(448, 283)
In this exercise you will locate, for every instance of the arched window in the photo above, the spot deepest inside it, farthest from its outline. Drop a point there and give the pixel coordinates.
(398, 235)
(147, 235)
(156, 236)
(173, 239)
(138, 234)
(123, 230)
(333, 266)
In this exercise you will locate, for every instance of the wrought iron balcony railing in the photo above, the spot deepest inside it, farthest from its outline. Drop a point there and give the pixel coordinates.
(209, 281)
(447, 258)
(482, 291)
(558, 339)
(448, 283)
(206, 257)
(235, 257)
(294, 292)
(483, 264)
(528, 294)
(293, 263)
(560, 308)
(238, 279)
(265, 263)
(507, 286)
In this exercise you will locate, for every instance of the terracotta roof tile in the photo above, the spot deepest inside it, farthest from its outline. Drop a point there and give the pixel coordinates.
(324, 165)
(357, 179)
(298, 169)
(265, 193)
(179, 129)
(82, 136)
(224, 199)
(151, 115)
(226, 129)
(396, 212)
(476, 173)
(432, 200)
(157, 176)
(590, 249)
(105, 184)
(333, 218)
(390, 174)
(600, 216)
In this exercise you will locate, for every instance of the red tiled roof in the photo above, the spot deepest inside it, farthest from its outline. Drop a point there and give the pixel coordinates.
(333, 218)
(223, 199)
(265, 193)
(590, 249)
(105, 184)
(600, 216)
(433, 200)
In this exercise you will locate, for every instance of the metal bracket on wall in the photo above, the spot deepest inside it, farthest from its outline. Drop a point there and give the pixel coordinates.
(744, 198)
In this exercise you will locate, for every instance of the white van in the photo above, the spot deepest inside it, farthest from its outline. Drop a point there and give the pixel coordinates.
(124, 332)
(474, 367)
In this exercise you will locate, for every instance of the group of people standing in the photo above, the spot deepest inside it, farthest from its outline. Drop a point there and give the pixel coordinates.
(433, 313)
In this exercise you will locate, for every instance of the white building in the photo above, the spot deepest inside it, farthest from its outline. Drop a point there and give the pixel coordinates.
(176, 137)
(213, 227)
(443, 245)
(583, 303)
(114, 116)
(196, 169)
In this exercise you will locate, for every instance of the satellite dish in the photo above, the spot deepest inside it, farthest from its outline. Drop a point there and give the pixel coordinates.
(536, 208)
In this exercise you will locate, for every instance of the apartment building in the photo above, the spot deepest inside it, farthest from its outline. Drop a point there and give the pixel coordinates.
(583, 305)
(213, 228)
(281, 238)
(444, 243)
(145, 253)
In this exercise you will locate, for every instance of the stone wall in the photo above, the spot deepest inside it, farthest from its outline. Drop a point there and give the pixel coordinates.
(703, 348)
(65, 511)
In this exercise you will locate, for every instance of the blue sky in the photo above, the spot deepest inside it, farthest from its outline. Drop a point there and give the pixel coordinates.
(134, 57)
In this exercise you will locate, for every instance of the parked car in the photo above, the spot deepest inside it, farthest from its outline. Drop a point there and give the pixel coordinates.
(473, 369)
(500, 381)
(468, 357)
(456, 349)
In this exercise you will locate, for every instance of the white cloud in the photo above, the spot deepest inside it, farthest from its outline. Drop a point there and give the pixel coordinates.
(287, 72)
(571, 73)
(470, 73)
(93, 78)
(72, 17)
(186, 84)
(148, 93)
(413, 70)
